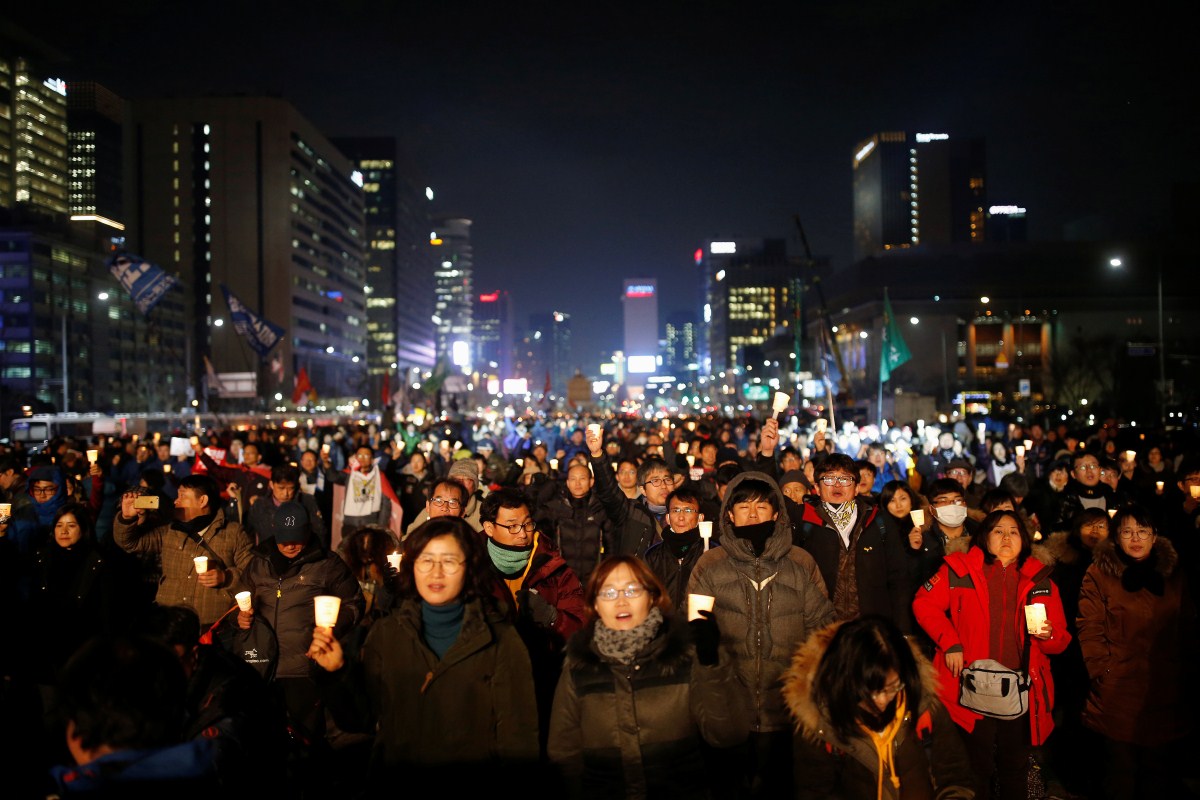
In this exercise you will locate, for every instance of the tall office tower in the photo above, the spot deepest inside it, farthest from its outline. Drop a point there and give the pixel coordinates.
(33, 125)
(247, 193)
(926, 188)
(679, 354)
(544, 355)
(399, 265)
(493, 326)
(750, 299)
(453, 293)
(95, 119)
(640, 301)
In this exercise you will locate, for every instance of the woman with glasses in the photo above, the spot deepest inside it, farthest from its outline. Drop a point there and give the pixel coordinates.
(973, 608)
(636, 699)
(868, 720)
(447, 680)
(1137, 630)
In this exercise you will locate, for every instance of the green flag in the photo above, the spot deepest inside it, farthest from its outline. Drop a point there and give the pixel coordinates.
(894, 351)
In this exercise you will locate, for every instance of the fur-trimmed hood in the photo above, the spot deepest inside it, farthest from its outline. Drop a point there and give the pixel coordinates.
(1105, 557)
(1065, 548)
(798, 682)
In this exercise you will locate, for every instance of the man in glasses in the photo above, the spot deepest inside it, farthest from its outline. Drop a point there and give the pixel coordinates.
(674, 556)
(863, 568)
(465, 473)
(536, 583)
(1084, 490)
(637, 522)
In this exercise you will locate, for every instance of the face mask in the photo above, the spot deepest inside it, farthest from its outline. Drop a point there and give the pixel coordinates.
(951, 516)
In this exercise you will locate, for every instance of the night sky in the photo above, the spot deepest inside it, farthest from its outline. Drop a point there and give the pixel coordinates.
(592, 146)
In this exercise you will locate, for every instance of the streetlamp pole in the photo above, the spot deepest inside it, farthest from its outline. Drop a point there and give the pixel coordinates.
(1162, 356)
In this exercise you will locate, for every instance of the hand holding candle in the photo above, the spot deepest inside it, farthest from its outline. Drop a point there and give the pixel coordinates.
(698, 603)
(781, 402)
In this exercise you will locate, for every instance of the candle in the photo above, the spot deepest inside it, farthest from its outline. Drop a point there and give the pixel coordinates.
(918, 517)
(1020, 451)
(1158, 487)
(781, 402)
(394, 560)
(325, 608)
(698, 603)
(1028, 444)
(705, 531)
(1035, 617)
(1195, 492)
(93, 456)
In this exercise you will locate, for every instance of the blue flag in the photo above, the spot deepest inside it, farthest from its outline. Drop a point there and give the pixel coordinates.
(259, 332)
(145, 282)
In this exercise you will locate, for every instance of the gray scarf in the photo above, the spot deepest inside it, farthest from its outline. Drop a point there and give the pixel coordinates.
(624, 646)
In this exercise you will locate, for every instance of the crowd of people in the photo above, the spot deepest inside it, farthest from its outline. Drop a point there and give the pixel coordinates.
(603, 607)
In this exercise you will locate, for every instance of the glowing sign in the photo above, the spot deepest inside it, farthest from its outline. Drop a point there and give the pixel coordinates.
(643, 365)
(489, 298)
(931, 137)
(866, 151)
(698, 255)
(493, 386)
(1006, 211)
(516, 386)
(600, 387)
(722, 248)
(639, 290)
(56, 85)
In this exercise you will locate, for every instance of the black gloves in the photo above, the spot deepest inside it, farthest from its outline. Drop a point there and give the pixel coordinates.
(707, 637)
(540, 611)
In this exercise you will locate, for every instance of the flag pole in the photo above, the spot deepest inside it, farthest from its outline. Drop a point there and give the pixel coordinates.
(882, 356)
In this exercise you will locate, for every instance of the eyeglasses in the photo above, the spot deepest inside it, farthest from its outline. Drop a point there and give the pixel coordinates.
(957, 473)
(684, 511)
(1087, 468)
(656, 482)
(450, 564)
(45, 491)
(515, 528)
(942, 501)
(1139, 533)
(631, 591)
(838, 480)
(445, 502)
(888, 692)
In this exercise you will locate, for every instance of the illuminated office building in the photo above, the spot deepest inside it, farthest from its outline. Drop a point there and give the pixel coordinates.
(95, 118)
(750, 297)
(924, 188)
(639, 300)
(245, 192)
(33, 126)
(453, 305)
(493, 327)
(680, 340)
(544, 354)
(399, 289)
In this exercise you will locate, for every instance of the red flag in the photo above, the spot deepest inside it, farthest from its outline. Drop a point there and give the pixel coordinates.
(302, 386)
(387, 389)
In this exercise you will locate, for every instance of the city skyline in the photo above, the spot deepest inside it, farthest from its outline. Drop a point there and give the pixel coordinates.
(585, 150)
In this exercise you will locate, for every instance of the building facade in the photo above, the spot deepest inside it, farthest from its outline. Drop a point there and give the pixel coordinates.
(923, 188)
(244, 192)
(453, 305)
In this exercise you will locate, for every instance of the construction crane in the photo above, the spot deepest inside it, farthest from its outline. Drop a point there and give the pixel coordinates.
(843, 398)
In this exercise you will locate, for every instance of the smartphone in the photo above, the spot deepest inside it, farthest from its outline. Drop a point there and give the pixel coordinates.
(146, 501)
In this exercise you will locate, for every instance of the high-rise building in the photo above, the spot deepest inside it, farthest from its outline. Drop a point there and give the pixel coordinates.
(924, 188)
(247, 193)
(453, 293)
(33, 126)
(679, 353)
(639, 300)
(95, 121)
(751, 297)
(399, 262)
(493, 326)
(544, 355)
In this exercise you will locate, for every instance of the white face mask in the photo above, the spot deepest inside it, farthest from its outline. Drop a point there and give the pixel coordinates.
(951, 516)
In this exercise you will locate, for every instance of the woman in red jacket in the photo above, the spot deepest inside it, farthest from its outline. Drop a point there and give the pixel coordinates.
(973, 608)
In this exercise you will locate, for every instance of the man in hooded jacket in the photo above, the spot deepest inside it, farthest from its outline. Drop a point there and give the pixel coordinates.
(769, 597)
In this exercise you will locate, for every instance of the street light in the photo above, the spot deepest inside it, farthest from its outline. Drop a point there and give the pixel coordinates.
(1117, 263)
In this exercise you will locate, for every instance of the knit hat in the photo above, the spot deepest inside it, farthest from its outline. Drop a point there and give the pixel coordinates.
(464, 468)
(291, 523)
(794, 476)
